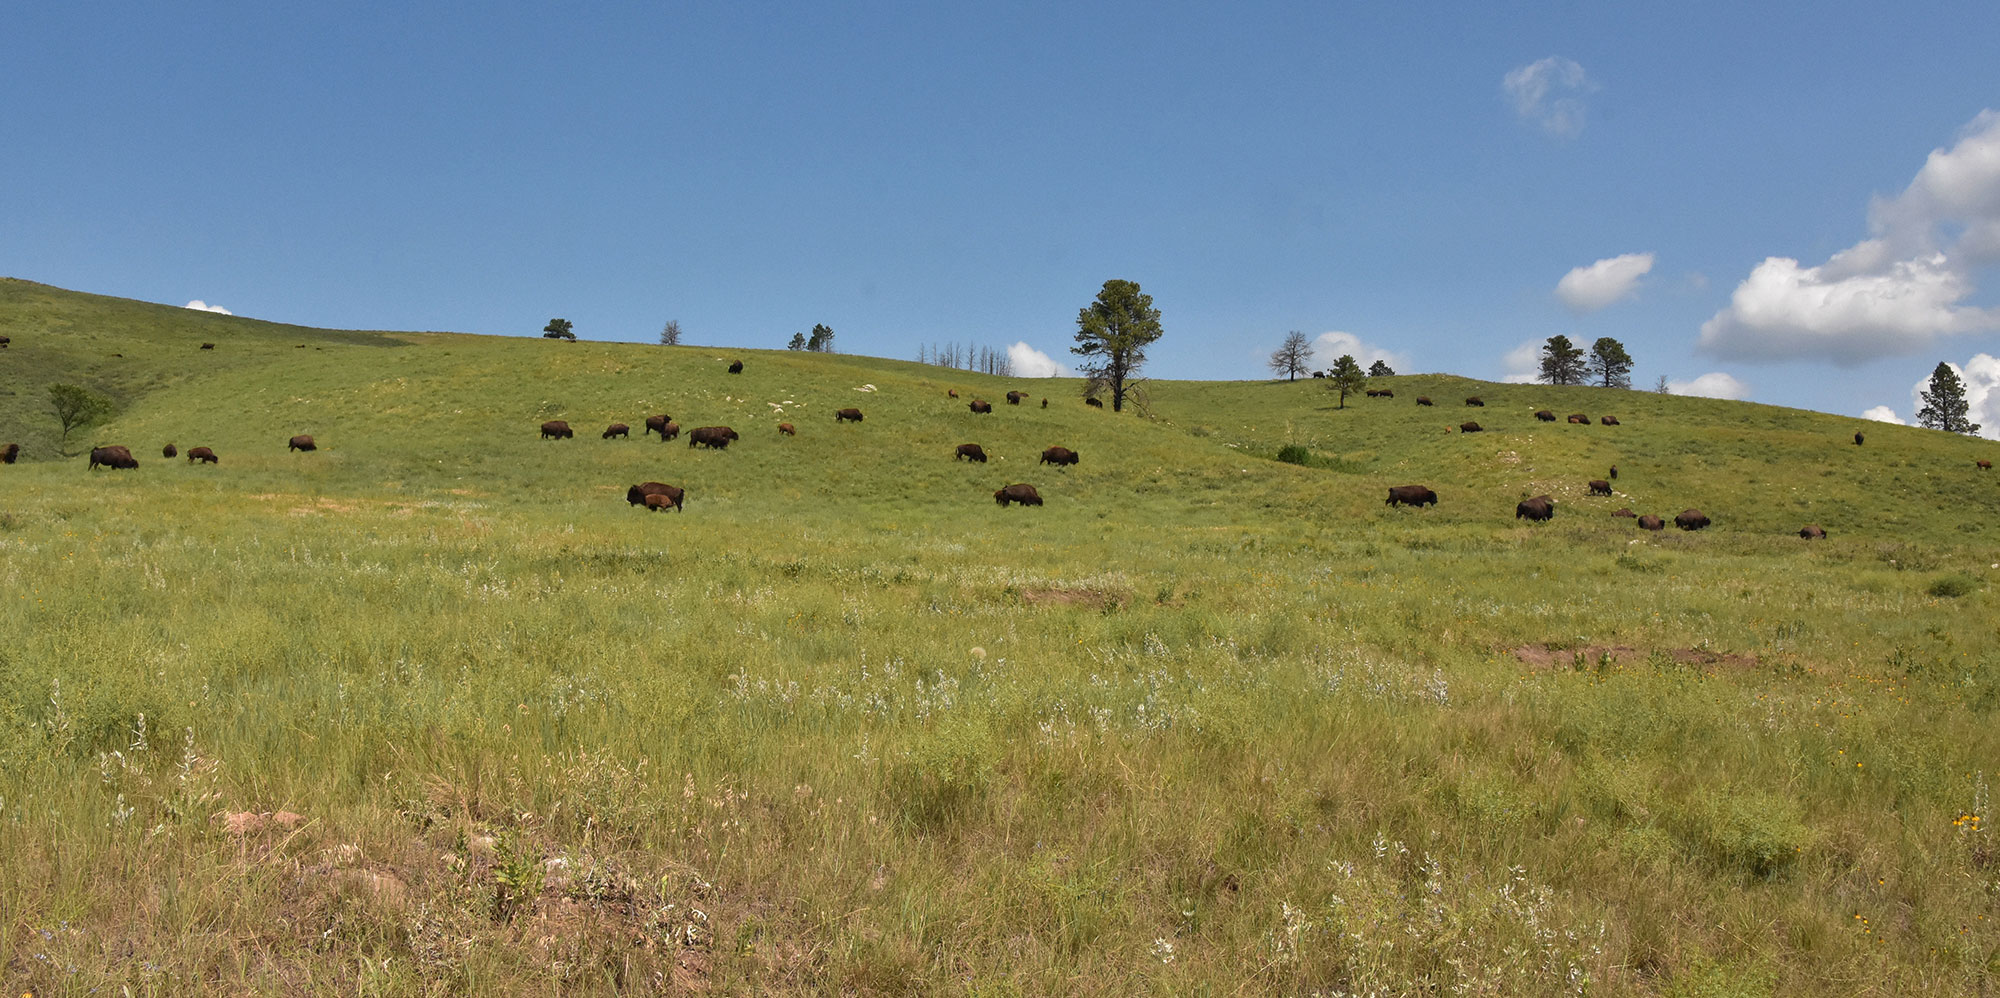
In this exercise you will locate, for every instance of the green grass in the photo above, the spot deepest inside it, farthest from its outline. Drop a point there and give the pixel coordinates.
(1207, 722)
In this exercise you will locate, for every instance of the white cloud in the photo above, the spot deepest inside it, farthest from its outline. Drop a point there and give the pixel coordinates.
(202, 306)
(1714, 385)
(1897, 292)
(1029, 362)
(1587, 289)
(1549, 92)
(1523, 364)
(1884, 414)
(1981, 378)
(1329, 346)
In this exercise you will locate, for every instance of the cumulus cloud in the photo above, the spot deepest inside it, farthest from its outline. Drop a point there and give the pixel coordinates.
(1029, 362)
(1587, 289)
(202, 306)
(1549, 93)
(1713, 385)
(1884, 414)
(1981, 377)
(1523, 364)
(1328, 347)
(1897, 292)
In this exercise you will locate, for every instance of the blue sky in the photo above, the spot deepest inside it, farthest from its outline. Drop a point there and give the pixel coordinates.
(1749, 198)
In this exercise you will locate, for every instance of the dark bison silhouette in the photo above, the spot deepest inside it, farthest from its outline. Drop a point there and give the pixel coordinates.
(970, 452)
(787, 429)
(170, 451)
(1539, 508)
(1023, 494)
(979, 405)
(716, 437)
(847, 416)
(1691, 519)
(1600, 487)
(10, 453)
(1622, 511)
(1579, 419)
(1470, 428)
(1812, 532)
(1387, 393)
(1413, 495)
(656, 424)
(1423, 400)
(669, 431)
(112, 456)
(1614, 472)
(1984, 465)
(303, 441)
(4, 340)
(557, 429)
(636, 495)
(208, 346)
(1374, 393)
(1474, 400)
(1014, 398)
(1607, 420)
(1045, 403)
(618, 430)
(736, 367)
(202, 454)
(1545, 416)
(1094, 403)
(951, 393)
(1058, 456)
(1651, 522)
(1857, 439)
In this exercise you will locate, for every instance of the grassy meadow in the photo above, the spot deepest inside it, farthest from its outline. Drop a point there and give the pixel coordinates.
(434, 711)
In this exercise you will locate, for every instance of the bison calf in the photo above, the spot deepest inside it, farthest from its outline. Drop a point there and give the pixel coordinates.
(636, 495)
(951, 393)
(556, 429)
(1413, 495)
(1023, 494)
(970, 452)
(303, 441)
(1059, 456)
(1600, 487)
(1579, 419)
(202, 454)
(618, 430)
(669, 431)
(788, 430)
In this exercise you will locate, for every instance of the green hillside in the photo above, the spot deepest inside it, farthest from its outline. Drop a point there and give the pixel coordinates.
(1205, 722)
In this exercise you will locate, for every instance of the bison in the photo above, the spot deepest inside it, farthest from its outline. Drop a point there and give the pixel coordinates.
(303, 441)
(4, 340)
(1614, 472)
(1607, 420)
(1691, 519)
(1023, 494)
(787, 430)
(1600, 487)
(1984, 465)
(208, 346)
(202, 454)
(951, 393)
(1539, 508)
(1014, 398)
(1474, 400)
(1857, 440)
(1374, 393)
(1622, 511)
(1045, 403)
(112, 456)
(1651, 522)
(1579, 419)
(1545, 416)
(170, 451)
(618, 430)
(1412, 495)
(669, 431)
(10, 453)
(736, 367)
(970, 452)
(636, 495)
(656, 503)
(1094, 403)
(1387, 393)
(1469, 428)
(715, 437)
(1058, 456)
(847, 416)
(1812, 532)
(557, 429)
(657, 424)
(1423, 400)
(979, 405)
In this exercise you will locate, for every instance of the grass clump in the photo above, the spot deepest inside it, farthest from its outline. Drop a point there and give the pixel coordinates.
(1952, 585)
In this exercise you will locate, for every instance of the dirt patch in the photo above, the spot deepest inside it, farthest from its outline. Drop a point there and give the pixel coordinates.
(1541, 656)
(1096, 599)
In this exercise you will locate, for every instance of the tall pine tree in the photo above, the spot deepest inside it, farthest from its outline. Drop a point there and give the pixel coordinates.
(1945, 407)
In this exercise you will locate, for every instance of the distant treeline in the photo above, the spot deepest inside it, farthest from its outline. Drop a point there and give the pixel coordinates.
(967, 357)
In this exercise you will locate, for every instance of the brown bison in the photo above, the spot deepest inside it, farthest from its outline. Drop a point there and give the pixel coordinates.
(1984, 465)
(1651, 522)
(202, 454)
(10, 453)
(669, 431)
(1545, 416)
(715, 437)
(979, 405)
(847, 416)
(636, 495)
(557, 429)
(1423, 400)
(787, 430)
(1374, 393)
(1058, 456)
(1812, 532)
(1474, 400)
(1539, 508)
(1045, 403)
(170, 451)
(1579, 419)
(970, 452)
(656, 503)
(1094, 403)
(1014, 398)
(1622, 511)
(1691, 519)
(208, 346)
(1857, 440)
(112, 456)
(951, 393)
(1411, 495)
(736, 367)
(1607, 420)
(1470, 428)
(4, 340)
(1387, 393)
(618, 430)
(303, 441)
(1614, 472)
(1023, 494)
(1600, 487)
(657, 424)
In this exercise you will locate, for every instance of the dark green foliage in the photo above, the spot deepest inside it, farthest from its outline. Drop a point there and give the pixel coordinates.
(1381, 369)
(798, 342)
(1944, 406)
(1294, 454)
(559, 329)
(821, 340)
(76, 407)
(1562, 362)
(1113, 332)
(1346, 378)
(1610, 364)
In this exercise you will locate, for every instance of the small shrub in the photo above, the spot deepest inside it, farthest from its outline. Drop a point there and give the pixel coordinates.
(1294, 454)
(1952, 586)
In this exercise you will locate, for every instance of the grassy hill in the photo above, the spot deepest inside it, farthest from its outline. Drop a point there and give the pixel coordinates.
(1204, 722)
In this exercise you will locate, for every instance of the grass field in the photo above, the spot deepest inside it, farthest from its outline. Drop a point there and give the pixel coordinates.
(432, 710)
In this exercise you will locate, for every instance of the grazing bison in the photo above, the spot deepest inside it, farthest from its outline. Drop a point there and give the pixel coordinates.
(1579, 419)
(1058, 456)
(1423, 400)
(208, 346)
(1607, 420)
(1651, 522)
(1545, 416)
(1857, 440)
(788, 430)
(170, 451)
(557, 429)
(847, 416)
(1374, 393)
(636, 495)
(657, 424)
(1622, 511)
(1387, 393)
(1045, 403)
(1412, 495)
(112, 456)
(1614, 472)
(1691, 519)
(715, 437)
(736, 367)
(202, 454)
(1014, 398)
(979, 405)
(1469, 428)
(1812, 532)
(951, 393)
(1023, 494)
(1539, 508)
(1984, 465)
(970, 452)
(1600, 487)
(1094, 403)
(669, 431)
(303, 441)
(1319, 374)
(618, 430)
(10, 453)
(4, 340)
(1474, 400)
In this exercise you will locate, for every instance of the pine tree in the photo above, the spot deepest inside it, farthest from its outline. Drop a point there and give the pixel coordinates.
(1945, 407)
(1347, 377)
(1562, 362)
(1381, 369)
(1610, 364)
